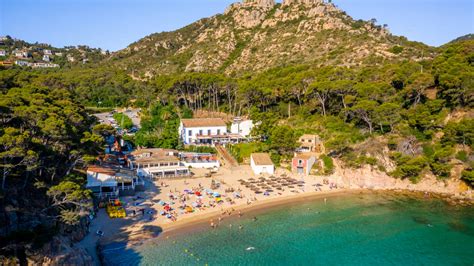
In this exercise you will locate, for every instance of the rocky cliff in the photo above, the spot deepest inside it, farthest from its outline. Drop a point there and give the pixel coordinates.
(255, 35)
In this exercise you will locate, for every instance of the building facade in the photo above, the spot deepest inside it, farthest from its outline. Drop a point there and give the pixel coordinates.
(208, 131)
(157, 163)
(261, 163)
(302, 163)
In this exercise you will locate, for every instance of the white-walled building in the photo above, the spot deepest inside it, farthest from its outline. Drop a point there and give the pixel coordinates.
(109, 182)
(3, 53)
(261, 163)
(202, 130)
(157, 163)
(241, 127)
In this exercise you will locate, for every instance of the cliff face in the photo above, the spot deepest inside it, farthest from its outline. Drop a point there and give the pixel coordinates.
(256, 35)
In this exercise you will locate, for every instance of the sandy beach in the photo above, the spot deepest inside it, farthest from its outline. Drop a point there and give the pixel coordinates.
(171, 206)
(145, 210)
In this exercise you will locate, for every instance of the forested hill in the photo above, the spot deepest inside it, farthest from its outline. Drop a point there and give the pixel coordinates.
(258, 35)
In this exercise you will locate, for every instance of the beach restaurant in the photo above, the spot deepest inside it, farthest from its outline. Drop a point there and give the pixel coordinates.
(157, 163)
(110, 182)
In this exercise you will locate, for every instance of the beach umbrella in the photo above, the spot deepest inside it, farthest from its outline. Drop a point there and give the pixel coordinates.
(216, 194)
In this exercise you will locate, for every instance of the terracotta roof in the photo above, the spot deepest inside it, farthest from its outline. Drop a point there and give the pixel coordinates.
(261, 159)
(153, 151)
(304, 156)
(100, 169)
(157, 159)
(203, 122)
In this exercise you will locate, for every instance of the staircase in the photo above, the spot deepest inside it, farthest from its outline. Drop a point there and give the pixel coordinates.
(228, 158)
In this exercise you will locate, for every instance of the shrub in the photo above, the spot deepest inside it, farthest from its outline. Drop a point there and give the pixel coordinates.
(328, 164)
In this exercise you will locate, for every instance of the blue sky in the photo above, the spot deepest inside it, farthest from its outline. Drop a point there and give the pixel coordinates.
(113, 24)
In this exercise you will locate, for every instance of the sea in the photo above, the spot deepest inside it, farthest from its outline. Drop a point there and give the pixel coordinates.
(370, 228)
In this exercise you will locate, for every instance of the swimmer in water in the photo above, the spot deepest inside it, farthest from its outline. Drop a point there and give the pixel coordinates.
(240, 227)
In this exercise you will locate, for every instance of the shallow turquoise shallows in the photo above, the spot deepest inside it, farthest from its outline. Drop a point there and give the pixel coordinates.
(354, 229)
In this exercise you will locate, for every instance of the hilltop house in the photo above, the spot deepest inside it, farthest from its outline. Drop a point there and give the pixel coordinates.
(157, 163)
(47, 52)
(302, 163)
(310, 143)
(261, 163)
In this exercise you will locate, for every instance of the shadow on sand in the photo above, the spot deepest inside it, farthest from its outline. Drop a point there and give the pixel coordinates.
(116, 247)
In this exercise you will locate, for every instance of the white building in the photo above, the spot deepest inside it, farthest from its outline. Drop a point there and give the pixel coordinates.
(102, 181)
(241, 127)
(46, 58)
(202, 130)
(157, 163)
(21, 54)
(22, 63)
(110, 182)
(47, 52)
(262, 164)
(3, 53)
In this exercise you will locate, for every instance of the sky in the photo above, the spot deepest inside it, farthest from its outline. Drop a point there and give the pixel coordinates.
(114, 24)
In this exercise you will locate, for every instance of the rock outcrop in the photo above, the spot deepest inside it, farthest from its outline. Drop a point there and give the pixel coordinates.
(305, 2)
(260, 3)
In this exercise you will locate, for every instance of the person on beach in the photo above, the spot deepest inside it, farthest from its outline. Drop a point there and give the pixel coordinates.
(241, 227)
(240, 214)
(255, 218)
(325, 200)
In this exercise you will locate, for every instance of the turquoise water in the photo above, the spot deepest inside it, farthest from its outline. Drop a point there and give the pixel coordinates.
(356, 229)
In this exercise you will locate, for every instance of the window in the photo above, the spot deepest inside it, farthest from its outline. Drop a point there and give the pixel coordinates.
(300, 162)
(208, 132)
(309, 141)
(218, 132)
(190, 132)
(200, 132)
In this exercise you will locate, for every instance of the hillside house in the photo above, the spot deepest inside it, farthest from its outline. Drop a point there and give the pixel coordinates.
(46, 58)
(302, 163)
(22, 63)
(310, 143)
(21, 54)
(157, 163)
(261, 163)
(3, 53)
(47, 52)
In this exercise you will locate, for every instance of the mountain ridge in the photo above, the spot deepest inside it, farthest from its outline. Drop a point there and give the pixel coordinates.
(253, 36)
